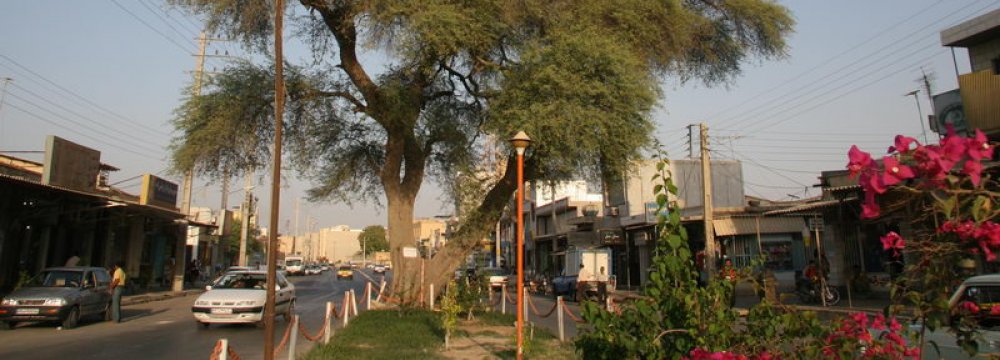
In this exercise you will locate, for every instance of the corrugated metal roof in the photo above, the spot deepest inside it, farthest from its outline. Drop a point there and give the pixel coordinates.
(808, 207)
(749, 225)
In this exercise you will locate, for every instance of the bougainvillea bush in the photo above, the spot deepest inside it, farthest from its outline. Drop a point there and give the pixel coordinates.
(942, 193)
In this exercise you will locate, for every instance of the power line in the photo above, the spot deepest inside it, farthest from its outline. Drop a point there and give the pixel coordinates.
(81, 98)
(828, 61)
(98, 124)
(151, 27)
(164, 20)
(799, 94)
(42, 118)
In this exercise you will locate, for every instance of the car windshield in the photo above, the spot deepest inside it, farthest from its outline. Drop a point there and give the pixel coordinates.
(348, 268)
(241, 281)
(985, 297)
(293, 263)
(56, 278)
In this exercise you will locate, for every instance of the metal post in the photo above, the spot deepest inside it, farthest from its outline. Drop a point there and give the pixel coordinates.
(524, 305)
(368, 298)
(559, 318)
(520, 248)
(354, 303)
(431, 300)
(225, 349)
(326, 323)
(347, 313)
(503, 300)
(294, 336)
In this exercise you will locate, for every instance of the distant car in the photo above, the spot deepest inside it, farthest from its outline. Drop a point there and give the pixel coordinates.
(324, 267)
(312, 270)
(239, 296)
(345, 272)
(497, 277)
(63, 294)
(379, 269)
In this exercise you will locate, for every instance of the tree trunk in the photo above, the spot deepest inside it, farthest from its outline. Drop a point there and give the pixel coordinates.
(478, 224)
(406, 281)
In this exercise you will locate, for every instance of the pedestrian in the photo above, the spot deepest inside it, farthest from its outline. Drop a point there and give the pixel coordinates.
(582, 277)
(118, 279)
(602, 285)
(73, 260)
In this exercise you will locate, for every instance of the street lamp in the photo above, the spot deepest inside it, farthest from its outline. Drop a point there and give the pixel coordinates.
(520, 143)
(920, 113)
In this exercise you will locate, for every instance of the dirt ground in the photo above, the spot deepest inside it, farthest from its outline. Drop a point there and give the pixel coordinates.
(474, 340)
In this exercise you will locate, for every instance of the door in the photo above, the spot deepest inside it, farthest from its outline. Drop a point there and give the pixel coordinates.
(89, 295)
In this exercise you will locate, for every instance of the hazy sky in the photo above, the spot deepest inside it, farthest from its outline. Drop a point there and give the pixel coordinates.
(109, 73)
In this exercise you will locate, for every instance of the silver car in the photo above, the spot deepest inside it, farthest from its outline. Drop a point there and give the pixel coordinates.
(238, 298)
(62, 294)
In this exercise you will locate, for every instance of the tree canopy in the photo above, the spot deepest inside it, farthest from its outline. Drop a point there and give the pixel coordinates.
(372, 239)
(456, 79)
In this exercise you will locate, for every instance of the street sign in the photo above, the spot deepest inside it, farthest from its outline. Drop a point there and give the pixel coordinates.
(410, 252)
(816, 224)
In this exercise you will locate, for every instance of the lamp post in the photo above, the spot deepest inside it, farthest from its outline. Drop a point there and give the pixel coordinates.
(920, 113)
(520, 143)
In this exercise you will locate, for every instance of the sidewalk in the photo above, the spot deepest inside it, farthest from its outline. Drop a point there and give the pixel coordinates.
(142, 296)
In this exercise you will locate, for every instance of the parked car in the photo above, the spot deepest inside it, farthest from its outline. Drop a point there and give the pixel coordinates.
(239, 296)
(63, 294)
(984, 292)
(324, 267)
(345, 272)
(379, 269)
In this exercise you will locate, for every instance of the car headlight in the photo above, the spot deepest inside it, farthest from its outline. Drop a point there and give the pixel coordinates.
(55, 302)
(8, 302)
(246, 303)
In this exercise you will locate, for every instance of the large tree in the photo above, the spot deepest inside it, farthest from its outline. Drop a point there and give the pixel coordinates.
(400, 92)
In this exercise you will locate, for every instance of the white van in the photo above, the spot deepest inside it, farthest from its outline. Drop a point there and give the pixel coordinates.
(295, 265)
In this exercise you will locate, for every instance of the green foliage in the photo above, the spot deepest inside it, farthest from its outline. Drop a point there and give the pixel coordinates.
(449, 310)
(372, 239)
(471, 292)
(677, 315)
(385, 334)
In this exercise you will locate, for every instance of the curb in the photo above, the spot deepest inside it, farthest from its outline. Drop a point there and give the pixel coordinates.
(145, 298)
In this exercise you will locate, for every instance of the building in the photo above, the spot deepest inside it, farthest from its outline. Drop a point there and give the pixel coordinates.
(63, 206)
(335, 244)
(430, 234)
(974, 104)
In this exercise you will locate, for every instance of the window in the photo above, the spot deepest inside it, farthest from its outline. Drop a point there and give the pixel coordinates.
(103, 279)
(88, 279)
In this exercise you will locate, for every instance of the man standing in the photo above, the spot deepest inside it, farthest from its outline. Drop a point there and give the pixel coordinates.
(582, 277)
(117, 285)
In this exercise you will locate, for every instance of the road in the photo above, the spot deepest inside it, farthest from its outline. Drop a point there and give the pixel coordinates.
(166, 330)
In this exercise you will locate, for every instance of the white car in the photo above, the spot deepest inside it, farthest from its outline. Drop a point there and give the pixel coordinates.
(238, 298)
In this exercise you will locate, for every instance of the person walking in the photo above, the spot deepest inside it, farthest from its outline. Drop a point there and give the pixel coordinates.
(729, 274)
(117, 285)
(582, 279)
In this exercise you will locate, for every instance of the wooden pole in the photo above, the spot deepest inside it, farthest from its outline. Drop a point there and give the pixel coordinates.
(272, 238)
(559, 318)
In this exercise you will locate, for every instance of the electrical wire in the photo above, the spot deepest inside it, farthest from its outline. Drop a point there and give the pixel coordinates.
(151, 27)
(81, 99)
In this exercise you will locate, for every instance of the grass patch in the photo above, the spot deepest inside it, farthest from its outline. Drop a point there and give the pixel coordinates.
(494, 318)
(385, 334)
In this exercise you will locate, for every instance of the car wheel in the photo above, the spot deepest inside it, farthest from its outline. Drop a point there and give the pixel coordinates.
(71, 319)
(8, 325)
(202, 325)
(290, 311)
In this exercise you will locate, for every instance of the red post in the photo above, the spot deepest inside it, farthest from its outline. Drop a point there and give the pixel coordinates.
(520, 252)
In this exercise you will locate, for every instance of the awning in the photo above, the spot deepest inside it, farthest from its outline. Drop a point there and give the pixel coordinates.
(748, 225)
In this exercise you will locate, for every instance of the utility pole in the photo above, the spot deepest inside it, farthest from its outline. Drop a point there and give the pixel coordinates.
(272, 229)
(295, 232)
(247, 208)
(690, 141)
(707, 214)
(179, 260)
(3, 95)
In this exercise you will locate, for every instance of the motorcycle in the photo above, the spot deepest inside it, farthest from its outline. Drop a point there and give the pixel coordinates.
(538, 285)
(809, 292)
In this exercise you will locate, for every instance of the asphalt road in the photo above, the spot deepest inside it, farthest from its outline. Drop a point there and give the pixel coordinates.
(166, 329)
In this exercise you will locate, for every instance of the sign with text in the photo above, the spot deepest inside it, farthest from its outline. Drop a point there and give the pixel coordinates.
(410, 252)
(158, 192)
(70, 165)
(816, 224)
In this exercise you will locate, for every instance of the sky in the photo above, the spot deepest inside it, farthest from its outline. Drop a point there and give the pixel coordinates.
(108, 74)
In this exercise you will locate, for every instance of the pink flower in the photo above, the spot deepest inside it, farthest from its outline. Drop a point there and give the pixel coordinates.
(870, 208)
(859, 161)
(879, 322)
(893, 241)
(902, 144)
(969, 306)
(894, 171)
(974, 170)
(978, 147)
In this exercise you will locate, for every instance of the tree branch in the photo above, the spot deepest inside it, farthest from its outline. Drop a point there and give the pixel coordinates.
(358, 105)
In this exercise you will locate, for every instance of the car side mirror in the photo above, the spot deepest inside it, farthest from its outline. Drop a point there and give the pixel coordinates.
(208, 287)
(277, 287)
